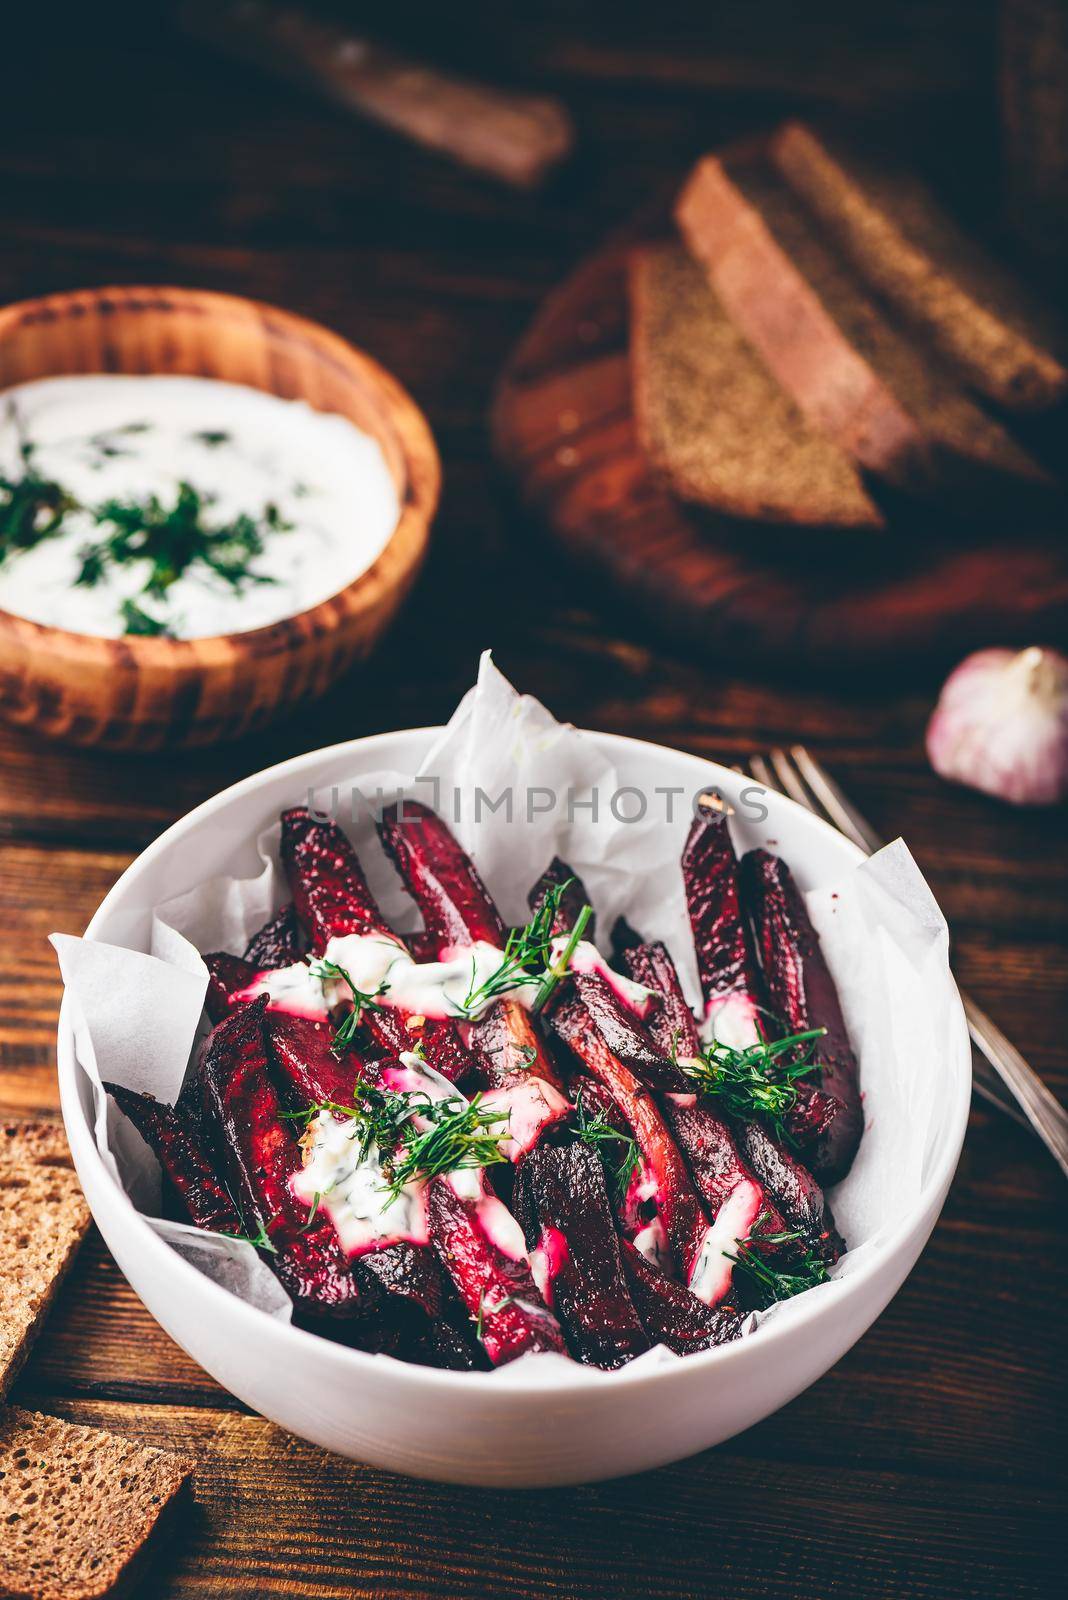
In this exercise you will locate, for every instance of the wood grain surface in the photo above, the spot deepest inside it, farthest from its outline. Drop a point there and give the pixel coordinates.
(929, 1463)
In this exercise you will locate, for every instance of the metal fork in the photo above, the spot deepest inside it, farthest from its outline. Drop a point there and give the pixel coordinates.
(1013, 1086)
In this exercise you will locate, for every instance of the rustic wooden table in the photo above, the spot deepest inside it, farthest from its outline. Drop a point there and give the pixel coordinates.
(930, 1461)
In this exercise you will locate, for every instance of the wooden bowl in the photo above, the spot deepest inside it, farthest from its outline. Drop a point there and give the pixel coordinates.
(143, 692)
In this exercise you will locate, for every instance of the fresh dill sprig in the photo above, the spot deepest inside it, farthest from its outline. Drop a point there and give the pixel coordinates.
(379, 1116)
(261, 1239)
(330, 971)
(557, 970)
(483, 1308)
(599, 1134)
(457, 1133)
(759, 1081)
(458, 1138)
(768, 1284)
(528, 957)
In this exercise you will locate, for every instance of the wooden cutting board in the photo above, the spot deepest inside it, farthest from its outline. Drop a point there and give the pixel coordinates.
(563, 427)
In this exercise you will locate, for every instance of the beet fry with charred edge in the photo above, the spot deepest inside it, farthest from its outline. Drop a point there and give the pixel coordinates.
(562, 1204)
(672, 1315)
(827, 1121)
(313, 1074)
(404, 1284)
(177, 1146)
(627, 1038)
(719, 1172)
(797, 1194)
(262, 1155)
(673, 1027)
(725, 960)
(506, 1307)
(227, 976)
(457, 910)
(440, 877)
(279, 943)
(559, 876)
(330, 893)
(332, 898)
(678, 1206)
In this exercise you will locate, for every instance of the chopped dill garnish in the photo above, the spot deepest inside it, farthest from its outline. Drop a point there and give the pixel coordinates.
(136, 621)
(768, 1284)
(212, 437)
(458, 1134)
(32, 507)
(483, 1308)
(175, 538)
(759, 1081)
(345, 1036)
(459, 1137)
(528, 958)
(261, 1239)
(599, 1134)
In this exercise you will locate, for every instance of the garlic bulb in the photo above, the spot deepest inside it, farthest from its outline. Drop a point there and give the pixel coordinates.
(1001, 725)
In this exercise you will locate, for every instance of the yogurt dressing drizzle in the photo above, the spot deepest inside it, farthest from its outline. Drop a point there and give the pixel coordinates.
(347, 1182)
(383, 968)
(114, 437)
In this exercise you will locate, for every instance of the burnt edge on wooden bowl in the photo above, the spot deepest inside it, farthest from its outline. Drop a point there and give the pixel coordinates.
(147, 693)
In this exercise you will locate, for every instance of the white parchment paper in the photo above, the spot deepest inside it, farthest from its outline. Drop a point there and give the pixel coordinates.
(138, 1016)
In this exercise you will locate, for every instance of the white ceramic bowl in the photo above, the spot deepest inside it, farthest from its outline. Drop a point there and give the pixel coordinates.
(491, 1429)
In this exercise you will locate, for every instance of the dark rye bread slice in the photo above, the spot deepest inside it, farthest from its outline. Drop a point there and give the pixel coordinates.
(896, 235)
(713, 422)
(890, 405)
(77, 1507)
(43, 1220)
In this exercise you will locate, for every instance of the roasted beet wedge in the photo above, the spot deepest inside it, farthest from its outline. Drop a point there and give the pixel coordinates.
(802, 995)
(458, 911)
(301, 1053)
(406, 1288)
(176, 1143)
(670, 1314)
(627, 1038)
(558, 875)
(797, 1194)
(440, 876)
(740, 1206)
(634, 1206)
(511, 1047)
(279, 943)
(672, 1028)
(227, 976)
(684, 1221)
(730, 977)
(480, 1246)
(330, 892)
(562, 1203)
(262, 1156)
(234, 982)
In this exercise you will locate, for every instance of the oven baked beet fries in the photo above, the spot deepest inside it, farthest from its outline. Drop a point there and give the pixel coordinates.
(485, 1141)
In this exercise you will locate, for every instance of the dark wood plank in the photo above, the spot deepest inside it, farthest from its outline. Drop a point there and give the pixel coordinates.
(275, 1517)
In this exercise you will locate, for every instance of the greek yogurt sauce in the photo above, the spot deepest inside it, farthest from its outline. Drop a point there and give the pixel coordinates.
(383, 967)
(113, 437)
